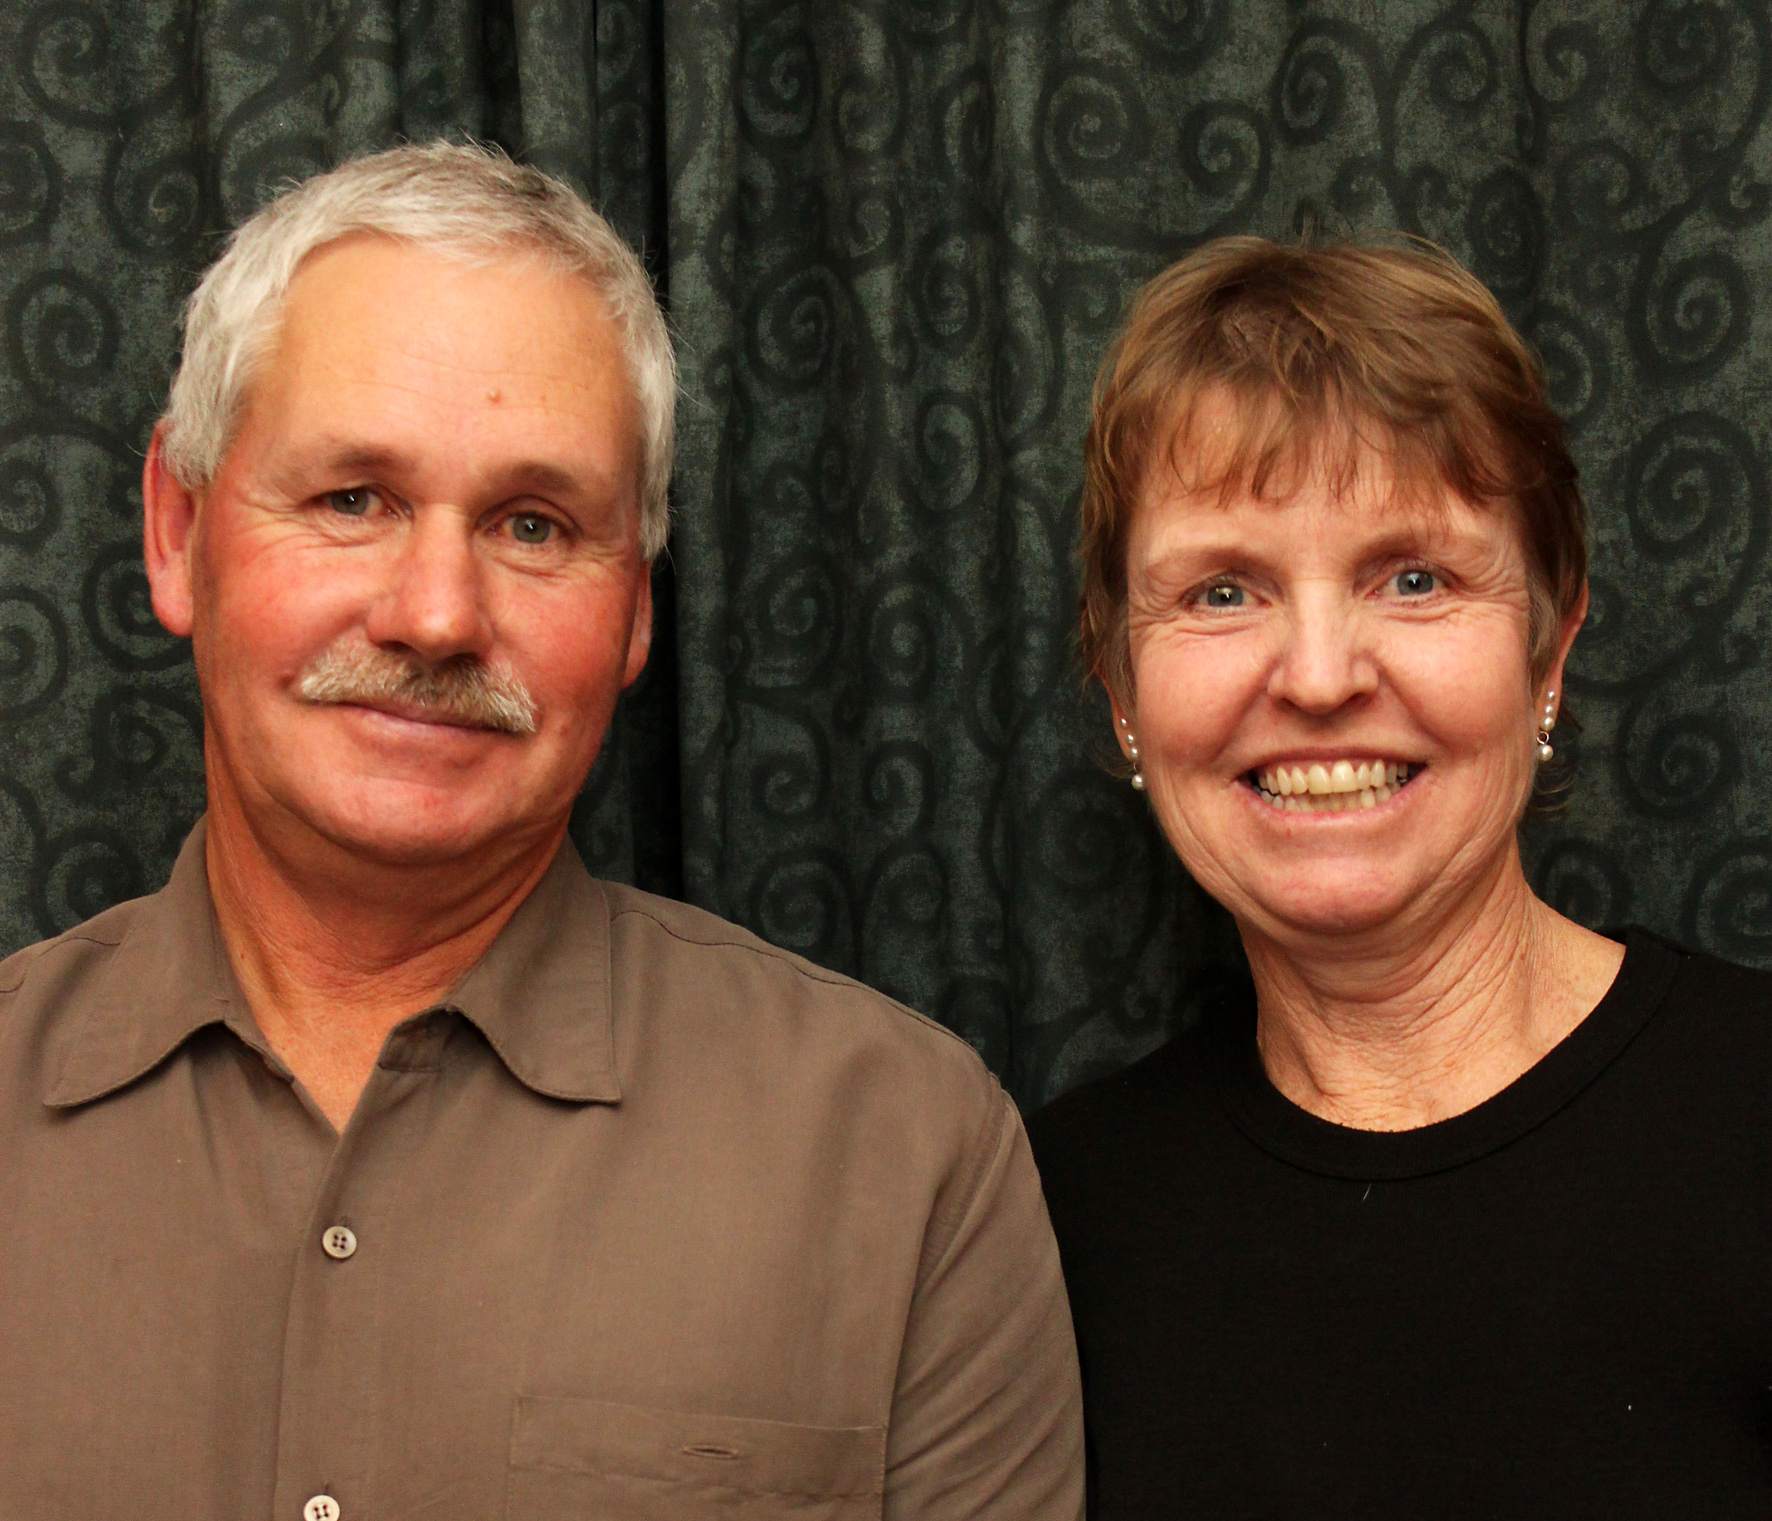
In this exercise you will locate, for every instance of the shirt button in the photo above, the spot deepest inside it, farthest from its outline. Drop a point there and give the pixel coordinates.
(338, 1241)
(321, 1507)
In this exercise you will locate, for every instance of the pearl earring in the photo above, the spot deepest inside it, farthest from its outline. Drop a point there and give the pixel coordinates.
(1132, 754)
(1545, 752)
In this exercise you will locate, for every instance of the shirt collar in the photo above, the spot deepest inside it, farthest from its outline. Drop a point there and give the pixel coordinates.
(168, 978)
(540, 995)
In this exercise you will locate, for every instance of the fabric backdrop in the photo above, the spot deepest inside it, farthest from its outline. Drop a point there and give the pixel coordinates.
(895, 235)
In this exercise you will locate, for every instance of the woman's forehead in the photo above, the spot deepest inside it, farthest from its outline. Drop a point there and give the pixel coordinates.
(1370, 511)
(1217, 452)
(1213, 443)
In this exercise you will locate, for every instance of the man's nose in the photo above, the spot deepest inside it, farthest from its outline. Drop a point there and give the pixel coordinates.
(1326, 659)
(433, 602)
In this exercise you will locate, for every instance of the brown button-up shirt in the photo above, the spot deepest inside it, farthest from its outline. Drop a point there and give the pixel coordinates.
(647, 1219)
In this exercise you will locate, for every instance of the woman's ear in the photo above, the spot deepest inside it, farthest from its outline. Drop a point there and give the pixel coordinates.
(1572, 621)
(169, 521)
(1123, 730)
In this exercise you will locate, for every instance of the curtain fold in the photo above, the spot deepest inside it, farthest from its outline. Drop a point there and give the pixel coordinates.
(901, 236)
(894, 238)
(133, 135)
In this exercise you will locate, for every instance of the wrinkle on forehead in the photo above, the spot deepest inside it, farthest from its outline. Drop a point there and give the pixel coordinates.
(1311, 536)
(1222, 449)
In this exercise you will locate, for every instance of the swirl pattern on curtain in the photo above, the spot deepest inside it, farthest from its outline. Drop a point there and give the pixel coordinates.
(899, 233)
(133, 135)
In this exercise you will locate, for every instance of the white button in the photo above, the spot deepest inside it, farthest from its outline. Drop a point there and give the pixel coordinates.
(339, 1241)
(323, 1507)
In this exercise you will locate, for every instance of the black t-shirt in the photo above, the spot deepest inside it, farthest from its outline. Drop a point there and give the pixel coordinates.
(1558, 1304)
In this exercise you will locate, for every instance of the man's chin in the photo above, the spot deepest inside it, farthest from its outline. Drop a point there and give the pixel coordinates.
(415, 832)
(414, 849)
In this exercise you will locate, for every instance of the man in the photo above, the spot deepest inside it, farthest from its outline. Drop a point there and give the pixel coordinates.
(385, 1164)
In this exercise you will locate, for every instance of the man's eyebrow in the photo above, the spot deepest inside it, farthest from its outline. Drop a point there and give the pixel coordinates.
(547, 479)
(540, 476)
(361, 457)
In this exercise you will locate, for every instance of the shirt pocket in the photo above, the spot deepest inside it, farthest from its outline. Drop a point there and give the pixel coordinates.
(593, 1458)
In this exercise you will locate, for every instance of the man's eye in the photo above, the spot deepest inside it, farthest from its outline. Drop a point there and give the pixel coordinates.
(1222, 594)
(1415, 583)
(531, 529)
(352, 503)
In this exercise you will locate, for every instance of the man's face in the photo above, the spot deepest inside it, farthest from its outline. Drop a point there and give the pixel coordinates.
(436, 474)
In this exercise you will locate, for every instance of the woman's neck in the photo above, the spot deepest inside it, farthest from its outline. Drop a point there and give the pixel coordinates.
(1398, 1031)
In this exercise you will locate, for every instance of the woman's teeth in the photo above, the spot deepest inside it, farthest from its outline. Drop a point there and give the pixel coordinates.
(1320, 788)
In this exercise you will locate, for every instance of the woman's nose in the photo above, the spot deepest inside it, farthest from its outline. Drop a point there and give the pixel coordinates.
(433, 601)
(1325, 660)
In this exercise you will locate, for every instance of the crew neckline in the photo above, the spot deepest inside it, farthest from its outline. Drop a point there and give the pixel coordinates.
(1295, 1135)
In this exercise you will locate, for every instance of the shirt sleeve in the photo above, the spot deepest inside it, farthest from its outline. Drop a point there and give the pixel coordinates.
(987, 1414)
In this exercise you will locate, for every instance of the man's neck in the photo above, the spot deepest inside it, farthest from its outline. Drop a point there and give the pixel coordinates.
(333, 952)
(1397, 1031)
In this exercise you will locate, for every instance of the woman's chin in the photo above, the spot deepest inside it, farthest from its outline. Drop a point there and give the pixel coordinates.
(1339, 919)
(1336, 904)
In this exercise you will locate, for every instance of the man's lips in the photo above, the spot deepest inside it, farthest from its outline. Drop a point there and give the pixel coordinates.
(416, 713)
(458, 693)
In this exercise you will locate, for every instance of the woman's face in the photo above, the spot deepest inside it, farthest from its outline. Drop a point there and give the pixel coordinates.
(1287, 656)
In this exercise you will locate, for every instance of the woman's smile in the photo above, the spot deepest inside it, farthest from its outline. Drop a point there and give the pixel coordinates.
(1284, 740)
(1330, 786)
(1334, 557)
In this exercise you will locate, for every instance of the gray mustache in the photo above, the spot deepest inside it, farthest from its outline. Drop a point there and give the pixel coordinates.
(462, 690)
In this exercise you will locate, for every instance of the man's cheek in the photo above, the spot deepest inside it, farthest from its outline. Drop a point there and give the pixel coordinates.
(575, 655)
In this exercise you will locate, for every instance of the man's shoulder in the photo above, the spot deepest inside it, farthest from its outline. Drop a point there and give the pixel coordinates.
(658, 943)
(71, 961)
(47, 992)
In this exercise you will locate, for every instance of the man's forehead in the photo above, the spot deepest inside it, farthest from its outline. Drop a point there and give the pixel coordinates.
(364, 252)
(386, 349)
(492, 310)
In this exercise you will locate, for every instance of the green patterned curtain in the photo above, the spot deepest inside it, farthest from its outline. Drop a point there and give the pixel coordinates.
(895, 236)
(133, 135)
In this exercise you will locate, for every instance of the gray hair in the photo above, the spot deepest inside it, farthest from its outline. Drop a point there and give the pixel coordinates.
(453, 199)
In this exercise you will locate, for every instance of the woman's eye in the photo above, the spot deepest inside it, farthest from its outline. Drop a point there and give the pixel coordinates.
(1415, 583)
(1222, 594)
(354, 502)
(529, 528)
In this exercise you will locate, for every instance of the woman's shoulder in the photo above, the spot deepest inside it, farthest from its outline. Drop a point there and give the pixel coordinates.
(1724, 1006)
(1680, 1044)
(1695, 981)
(1150, 1088)
(1162, 1103)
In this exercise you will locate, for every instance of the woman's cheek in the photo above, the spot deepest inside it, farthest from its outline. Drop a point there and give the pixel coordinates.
(1469, 693)
(1226, 681)
(1192, 694)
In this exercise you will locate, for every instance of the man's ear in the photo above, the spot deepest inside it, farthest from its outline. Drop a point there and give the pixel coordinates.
(169, 520)
(640, 641)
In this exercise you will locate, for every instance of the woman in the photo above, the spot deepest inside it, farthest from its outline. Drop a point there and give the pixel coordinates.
(1466, 1210)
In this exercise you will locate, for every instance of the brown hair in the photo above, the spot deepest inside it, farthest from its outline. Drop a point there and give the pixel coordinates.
(1325, 351)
